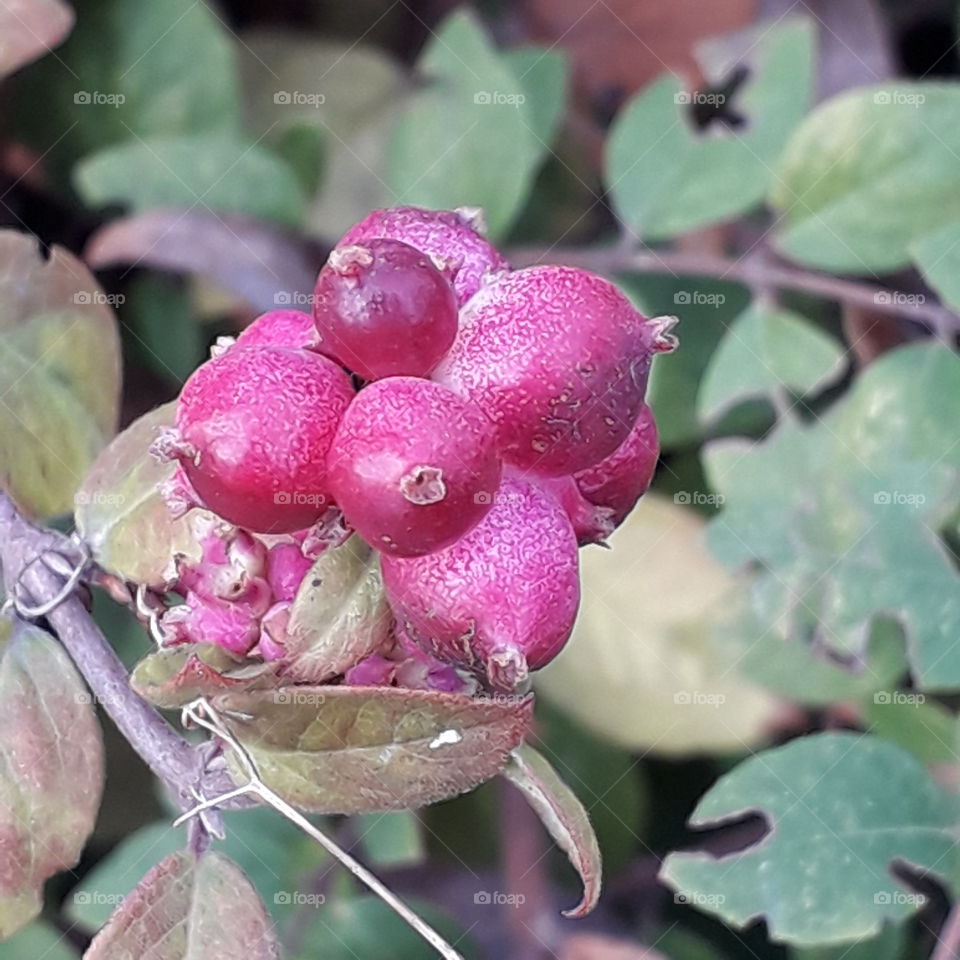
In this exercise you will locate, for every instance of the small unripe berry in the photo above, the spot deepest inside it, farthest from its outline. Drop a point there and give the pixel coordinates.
(233, 626)
(558, 358)
(280, 328)
(502, 600)
(449, 236)
(413, 466)
(619, 481)
(382, 309)
(253, 428)
(286, 568)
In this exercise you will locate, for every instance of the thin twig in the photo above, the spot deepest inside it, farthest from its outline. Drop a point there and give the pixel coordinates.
(203, 715)
(754, 272)
(179, 764)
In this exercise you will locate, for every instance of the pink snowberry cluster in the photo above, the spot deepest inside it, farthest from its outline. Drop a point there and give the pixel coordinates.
(472, 423)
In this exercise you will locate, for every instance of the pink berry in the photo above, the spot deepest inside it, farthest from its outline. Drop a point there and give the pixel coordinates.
(621, 479)
(281, 328)
(286, 568)
(591, 523)
(502, 600)
(233, 626)
(558, 358)
(450, 236)
(383, 309)
(413, 467)
(253, 430)
(232, 566)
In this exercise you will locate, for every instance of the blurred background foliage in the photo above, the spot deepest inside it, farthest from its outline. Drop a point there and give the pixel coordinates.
(792, 175)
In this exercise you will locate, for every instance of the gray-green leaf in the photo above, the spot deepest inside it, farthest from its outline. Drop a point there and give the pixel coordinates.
(868, 173)
(842, 810)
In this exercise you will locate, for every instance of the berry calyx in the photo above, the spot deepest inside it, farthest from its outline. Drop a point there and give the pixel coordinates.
(413, 466)
(502, 600)
(253, 429)
(558, 358)
(383, 308)
(448, 236)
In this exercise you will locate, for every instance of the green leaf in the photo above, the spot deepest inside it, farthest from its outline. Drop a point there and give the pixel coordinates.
(924, 727)
(860, 494)
(217, 172)
(348, 928)
(51, 768)
(466, 139)
(106, 886)
(842, 810)
(189, 906)
(339, 616)
(706, 308)
(121, 515)
(391, 839)
(811, 674)
(663, 682)
(131, 71)
(275, 854)
(666, 178)
(165, 329)
(39, 941)
(172, 677)
(59, 373)
(867, 173)
(767, 353)
(564, 817)
(339, 749)
(937, 256)
(542, 72)
(29, 29)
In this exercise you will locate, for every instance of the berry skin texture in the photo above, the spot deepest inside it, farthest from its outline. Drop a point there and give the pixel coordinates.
(620, 480)
(253, 430)
(502, 600)
(449, 236)
(413, 467)
(558, 358)
(383, 309)
(280, 328)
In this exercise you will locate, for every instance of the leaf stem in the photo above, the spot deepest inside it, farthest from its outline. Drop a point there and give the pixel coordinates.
(753, 271)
